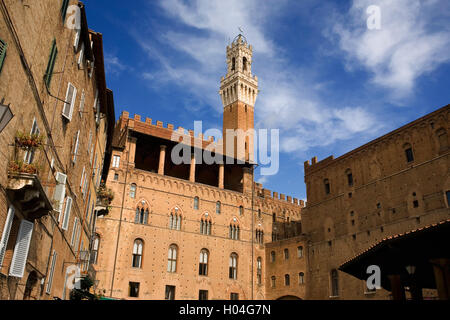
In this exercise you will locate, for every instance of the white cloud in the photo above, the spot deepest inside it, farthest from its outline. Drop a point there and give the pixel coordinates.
(113, 65)
(414, 39)
(290, 98)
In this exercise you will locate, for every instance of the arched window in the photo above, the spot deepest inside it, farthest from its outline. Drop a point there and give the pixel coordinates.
(196, 201)
(272, 256)
(133, 190)
(172, 259)
(334, 283)
(205, 225)
(233, 266)
(286, 254)
(300, 252)
(218, 207)
(244, 64)
(137, 253)
(408, 152)
(241, 210)
(175, 219)
(274, 217)
(326, 184)
(301, 278)
(443, 139)
(259, 270)
(234, 232)
(349, 177)
(95, 247)
(233, 64)
(203, 266)
(287, 280)
(259, 213)
(273, 280)
(141, 216)
(259, 236)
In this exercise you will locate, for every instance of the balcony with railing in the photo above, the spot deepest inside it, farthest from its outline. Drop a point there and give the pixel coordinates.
(104, 198)
(25, 188)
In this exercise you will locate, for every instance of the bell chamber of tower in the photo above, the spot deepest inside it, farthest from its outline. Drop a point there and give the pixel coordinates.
(239, 90)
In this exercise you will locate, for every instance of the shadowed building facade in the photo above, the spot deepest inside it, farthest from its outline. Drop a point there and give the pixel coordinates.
(392, 186)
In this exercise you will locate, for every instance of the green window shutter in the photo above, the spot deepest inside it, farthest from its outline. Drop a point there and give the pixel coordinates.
(3, 46)
(51, 64)
(65, 5)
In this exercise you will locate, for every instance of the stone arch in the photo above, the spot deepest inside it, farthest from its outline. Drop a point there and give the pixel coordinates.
(289, 297)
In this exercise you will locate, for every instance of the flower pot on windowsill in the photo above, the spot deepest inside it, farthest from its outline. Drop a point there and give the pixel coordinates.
(29, 141)
(21, 167)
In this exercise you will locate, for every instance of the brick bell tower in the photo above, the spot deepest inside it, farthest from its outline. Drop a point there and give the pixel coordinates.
(238, 90)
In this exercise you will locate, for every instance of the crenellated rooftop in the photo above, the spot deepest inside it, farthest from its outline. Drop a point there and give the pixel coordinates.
(167, 132)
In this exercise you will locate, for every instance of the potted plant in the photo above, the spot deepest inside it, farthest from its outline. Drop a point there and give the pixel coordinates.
(21, 167)
(28, 141)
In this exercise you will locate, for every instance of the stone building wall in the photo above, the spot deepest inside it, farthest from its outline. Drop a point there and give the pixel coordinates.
(161, 194)
(286, 257)
(388, 196)
(36, 25)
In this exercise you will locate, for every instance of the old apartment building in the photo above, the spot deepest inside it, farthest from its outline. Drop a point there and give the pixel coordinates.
(192, 230)
(52, 151)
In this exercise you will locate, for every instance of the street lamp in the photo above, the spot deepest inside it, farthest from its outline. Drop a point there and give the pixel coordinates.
(411, 270)
(5, 116)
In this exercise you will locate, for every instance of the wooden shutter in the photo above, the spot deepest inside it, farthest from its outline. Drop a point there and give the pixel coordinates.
(75, 151)
(50, 274)
(60, 191)
(97, 108)
(77, 39)
(64, 7)
(82, 100)
(81, 56)
(77, 238)
(82, 178)
(21, 249)
(74, 231)
(86, 180)
(3, 46)
(71, 95)
(51, 63)
(5, 234)
(67, 213)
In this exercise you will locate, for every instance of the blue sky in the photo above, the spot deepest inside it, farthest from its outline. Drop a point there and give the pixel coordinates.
(327, 82)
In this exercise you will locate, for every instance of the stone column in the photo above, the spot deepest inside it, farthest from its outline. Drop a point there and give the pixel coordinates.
(162, 159)
(247, 180)
(192, 169)
(132, 150)
(398, 292)
(442, 277)
(221, 175)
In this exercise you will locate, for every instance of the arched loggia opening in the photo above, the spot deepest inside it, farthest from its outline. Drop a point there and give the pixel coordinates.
(289, 297)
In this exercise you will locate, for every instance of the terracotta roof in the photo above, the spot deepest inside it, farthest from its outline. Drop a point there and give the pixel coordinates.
(393, 237)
